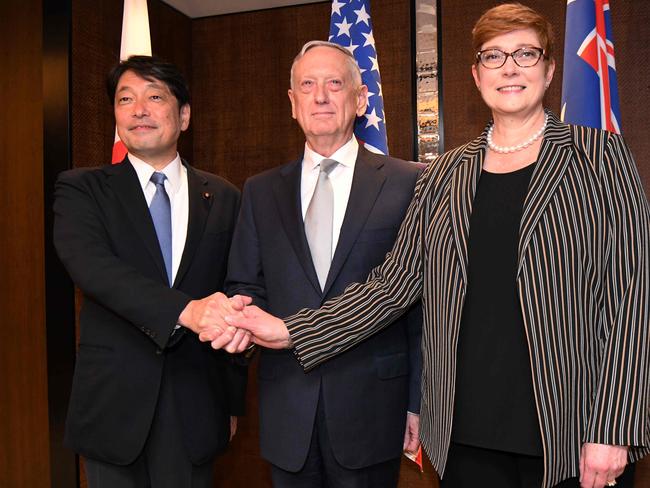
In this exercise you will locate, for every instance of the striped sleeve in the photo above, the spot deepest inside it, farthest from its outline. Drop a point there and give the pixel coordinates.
(621, 406)
(364, 309)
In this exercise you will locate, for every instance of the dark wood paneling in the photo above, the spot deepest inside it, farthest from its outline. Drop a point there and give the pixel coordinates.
(59, 290)
(632, 50)
(24, 451)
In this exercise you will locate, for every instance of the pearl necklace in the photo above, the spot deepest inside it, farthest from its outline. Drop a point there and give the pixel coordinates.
(518, 147)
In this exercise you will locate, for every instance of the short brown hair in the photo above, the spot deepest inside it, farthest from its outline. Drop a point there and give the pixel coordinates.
(508, 17)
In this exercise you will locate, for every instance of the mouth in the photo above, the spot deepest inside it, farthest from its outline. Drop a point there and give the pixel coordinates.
(321, 115)
(511, 88)
(142, 127)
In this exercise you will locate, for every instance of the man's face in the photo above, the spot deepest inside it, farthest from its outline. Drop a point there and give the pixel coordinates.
(148, 118)
(324, 98)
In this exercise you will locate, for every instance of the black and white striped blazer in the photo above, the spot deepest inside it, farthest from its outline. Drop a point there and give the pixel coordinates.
(583, 281)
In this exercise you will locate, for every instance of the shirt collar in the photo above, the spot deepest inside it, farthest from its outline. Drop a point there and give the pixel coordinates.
(345, 155)
(172, 171)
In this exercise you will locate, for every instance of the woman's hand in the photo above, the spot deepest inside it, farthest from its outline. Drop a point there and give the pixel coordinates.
(600, 464)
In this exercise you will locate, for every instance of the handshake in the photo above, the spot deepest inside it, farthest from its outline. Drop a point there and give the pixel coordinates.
(233, 324)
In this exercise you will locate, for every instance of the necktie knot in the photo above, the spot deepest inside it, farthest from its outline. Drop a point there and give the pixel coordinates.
(158, 178)
(328, 165)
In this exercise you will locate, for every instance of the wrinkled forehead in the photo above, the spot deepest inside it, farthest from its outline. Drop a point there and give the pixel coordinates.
(325, 60)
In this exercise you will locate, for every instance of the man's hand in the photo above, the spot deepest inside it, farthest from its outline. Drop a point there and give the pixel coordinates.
(206, 315)
(600, 464)
(412, 433)
(233, 427)
(267, 330)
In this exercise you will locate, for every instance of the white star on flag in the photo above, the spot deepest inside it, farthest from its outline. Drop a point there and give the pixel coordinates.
(336, 7)
(370, 39)
(373, 119)
(362, 15)
(375, 64)
(344, 27)
(351, 47)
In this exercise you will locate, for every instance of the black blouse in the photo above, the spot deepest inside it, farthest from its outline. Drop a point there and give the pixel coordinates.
(494, 403)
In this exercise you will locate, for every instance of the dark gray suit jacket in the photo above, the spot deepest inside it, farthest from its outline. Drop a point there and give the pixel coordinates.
(365, 392)
(105, 237)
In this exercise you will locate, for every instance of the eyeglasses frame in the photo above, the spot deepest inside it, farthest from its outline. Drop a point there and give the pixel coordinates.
(505, 59)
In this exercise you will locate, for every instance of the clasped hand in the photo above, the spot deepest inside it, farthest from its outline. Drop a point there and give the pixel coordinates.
(233, 324)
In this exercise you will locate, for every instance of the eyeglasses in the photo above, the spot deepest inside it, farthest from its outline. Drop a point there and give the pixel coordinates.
(524, 57)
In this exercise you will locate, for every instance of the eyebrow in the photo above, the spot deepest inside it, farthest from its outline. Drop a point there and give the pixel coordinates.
(153, 84)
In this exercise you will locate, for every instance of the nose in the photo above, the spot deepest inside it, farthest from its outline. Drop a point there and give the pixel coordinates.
(321, 95)
(510, 67)
(140, 109)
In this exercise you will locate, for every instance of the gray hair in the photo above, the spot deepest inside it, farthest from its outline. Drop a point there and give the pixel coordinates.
(353, 67)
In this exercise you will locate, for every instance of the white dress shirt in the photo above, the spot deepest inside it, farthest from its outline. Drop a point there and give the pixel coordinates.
(176, 188)
(340, 178)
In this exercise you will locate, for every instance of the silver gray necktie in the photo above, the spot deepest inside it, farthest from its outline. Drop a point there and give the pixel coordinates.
(319, 222)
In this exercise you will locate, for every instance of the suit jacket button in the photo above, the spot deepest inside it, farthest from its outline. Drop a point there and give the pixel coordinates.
(159, 351)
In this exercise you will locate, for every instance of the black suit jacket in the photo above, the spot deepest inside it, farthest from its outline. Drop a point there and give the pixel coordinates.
(105, 237)
(365, 392)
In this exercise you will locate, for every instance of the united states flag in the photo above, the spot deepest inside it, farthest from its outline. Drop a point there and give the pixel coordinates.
(351, 27)
(589, 87)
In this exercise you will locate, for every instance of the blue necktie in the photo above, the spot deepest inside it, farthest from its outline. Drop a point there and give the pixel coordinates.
(161, 214)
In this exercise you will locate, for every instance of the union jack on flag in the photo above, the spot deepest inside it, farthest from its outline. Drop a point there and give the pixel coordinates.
(351, 27)
(589, 87)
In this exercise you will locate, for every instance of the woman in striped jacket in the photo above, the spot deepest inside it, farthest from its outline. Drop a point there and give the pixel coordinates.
(529, 247)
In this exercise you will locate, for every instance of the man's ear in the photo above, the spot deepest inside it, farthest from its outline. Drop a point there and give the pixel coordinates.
(185, 116)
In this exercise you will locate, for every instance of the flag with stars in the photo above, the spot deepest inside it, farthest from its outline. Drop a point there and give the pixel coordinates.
(351, 27)
(589, 86)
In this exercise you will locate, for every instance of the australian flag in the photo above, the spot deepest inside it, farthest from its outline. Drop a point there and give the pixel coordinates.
(351, 27)
(589, 87)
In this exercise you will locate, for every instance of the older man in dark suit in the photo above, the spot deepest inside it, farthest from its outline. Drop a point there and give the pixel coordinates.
(144, 240)
(308, 229)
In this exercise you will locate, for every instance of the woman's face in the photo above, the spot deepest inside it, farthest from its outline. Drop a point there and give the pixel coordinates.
(511, 89)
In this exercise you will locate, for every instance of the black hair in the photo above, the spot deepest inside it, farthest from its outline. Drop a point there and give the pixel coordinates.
(150, 68)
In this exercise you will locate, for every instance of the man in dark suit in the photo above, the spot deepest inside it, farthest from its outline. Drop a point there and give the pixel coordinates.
(145, 240)
(306, 230)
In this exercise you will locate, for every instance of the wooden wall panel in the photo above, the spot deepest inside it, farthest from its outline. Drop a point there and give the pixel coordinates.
(24, 448)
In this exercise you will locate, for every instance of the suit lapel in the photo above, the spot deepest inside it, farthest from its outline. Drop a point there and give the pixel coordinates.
(286, 191)
(554, 157)
(461, 197)
(366, 185)
(124, 181)
(200, 201)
